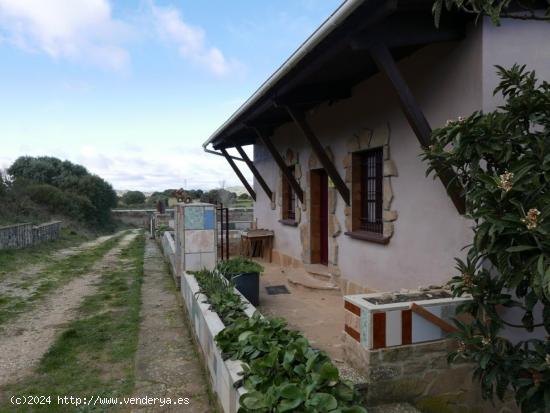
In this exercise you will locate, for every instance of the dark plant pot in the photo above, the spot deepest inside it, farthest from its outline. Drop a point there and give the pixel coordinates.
(248, 284)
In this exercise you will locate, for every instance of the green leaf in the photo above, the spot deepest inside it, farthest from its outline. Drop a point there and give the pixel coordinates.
(288, 405)
(244, 336)
(253, 401)
(325, 401)
(520, 248)
(329, 372)
(290, 391)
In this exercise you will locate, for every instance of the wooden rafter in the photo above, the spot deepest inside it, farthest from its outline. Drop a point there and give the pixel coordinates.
(320, 152)
(255, 172)
(386, 64)
(281, 163)
(239, 173)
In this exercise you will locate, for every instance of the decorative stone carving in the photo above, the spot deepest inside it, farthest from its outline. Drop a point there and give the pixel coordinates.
(380, 137)
(352, 144)
(364, 137)
(291, 159)
(388, 193)
(333, 254)
(304, 238)
(390, 216)
(332, 200)
(389, 168)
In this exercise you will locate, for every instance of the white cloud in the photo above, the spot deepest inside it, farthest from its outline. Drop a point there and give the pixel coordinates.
(190, 41)
(82, 30)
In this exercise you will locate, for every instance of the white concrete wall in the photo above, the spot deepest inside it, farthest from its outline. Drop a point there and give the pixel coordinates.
(515, 41)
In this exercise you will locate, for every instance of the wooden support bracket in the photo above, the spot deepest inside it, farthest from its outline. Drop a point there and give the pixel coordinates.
(320, 152)
(386, 64)
(239, 173)
(281, 163)
(255, 172)
(432, 318)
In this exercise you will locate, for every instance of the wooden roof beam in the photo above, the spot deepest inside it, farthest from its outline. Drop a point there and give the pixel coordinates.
(239, 173)
(263, 135)
(386, 64)
(300, 120)
(255, 172)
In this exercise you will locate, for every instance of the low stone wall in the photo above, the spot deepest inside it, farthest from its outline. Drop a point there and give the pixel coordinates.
(25, 235)
(419, 374)
(169, 250)
(46, 232)
(223, 374)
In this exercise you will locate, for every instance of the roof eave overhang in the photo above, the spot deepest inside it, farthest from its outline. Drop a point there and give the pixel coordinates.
(350, 27)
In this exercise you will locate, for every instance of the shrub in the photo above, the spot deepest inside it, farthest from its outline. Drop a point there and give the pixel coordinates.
(133, 198)
(239, 265)
(502, 161)
(62, 202)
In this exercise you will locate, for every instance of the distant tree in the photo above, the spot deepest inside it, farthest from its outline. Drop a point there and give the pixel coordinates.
(244, 196)
(216, 196)
(195, 193)
(2, 184)
(71, 180)
(133, 198)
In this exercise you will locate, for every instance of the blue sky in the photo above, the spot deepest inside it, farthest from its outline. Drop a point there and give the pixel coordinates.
(131, 88)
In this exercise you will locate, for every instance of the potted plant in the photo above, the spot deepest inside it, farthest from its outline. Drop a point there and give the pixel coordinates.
(245, 274)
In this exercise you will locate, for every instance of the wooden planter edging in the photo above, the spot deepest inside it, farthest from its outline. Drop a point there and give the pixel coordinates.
(206, 325)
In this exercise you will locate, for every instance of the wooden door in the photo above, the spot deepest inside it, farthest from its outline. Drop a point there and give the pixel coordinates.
(319, 217)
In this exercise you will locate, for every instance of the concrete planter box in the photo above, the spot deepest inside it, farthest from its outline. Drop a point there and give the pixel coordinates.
(206, 325)
(386, 320)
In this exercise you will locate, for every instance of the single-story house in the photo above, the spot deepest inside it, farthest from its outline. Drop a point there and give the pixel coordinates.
(338, 130)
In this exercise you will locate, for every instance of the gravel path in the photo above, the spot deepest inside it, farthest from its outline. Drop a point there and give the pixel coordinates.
(167, 364)
(11, 284)
(25, 339)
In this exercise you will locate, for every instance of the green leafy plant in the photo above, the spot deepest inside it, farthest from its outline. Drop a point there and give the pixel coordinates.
(221, 296)
(495, 9)
(282, 372)
(239, 265)
(502, 161)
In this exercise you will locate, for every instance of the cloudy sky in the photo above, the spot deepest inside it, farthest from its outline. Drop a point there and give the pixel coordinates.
(132, 88)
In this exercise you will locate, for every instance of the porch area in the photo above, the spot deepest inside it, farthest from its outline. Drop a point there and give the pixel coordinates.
(315, 311)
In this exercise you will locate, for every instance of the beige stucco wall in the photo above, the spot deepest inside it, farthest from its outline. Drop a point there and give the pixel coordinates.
(449, 80)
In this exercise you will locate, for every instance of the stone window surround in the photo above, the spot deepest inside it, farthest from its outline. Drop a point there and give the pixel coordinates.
(291, 159)
(364, 140)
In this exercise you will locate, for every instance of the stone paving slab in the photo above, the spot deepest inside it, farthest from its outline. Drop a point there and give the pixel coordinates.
(167, 364)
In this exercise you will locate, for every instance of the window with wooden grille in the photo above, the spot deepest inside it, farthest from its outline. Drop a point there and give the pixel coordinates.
(367, 194)
(289, 199)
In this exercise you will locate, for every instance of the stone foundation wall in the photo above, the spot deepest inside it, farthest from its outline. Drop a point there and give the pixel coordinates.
(420, 374)
(25, 235)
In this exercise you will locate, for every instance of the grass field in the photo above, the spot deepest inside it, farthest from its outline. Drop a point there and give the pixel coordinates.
(21, 290)
(95, 353)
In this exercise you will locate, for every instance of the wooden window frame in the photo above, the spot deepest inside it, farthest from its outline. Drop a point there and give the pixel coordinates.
(368, 165)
